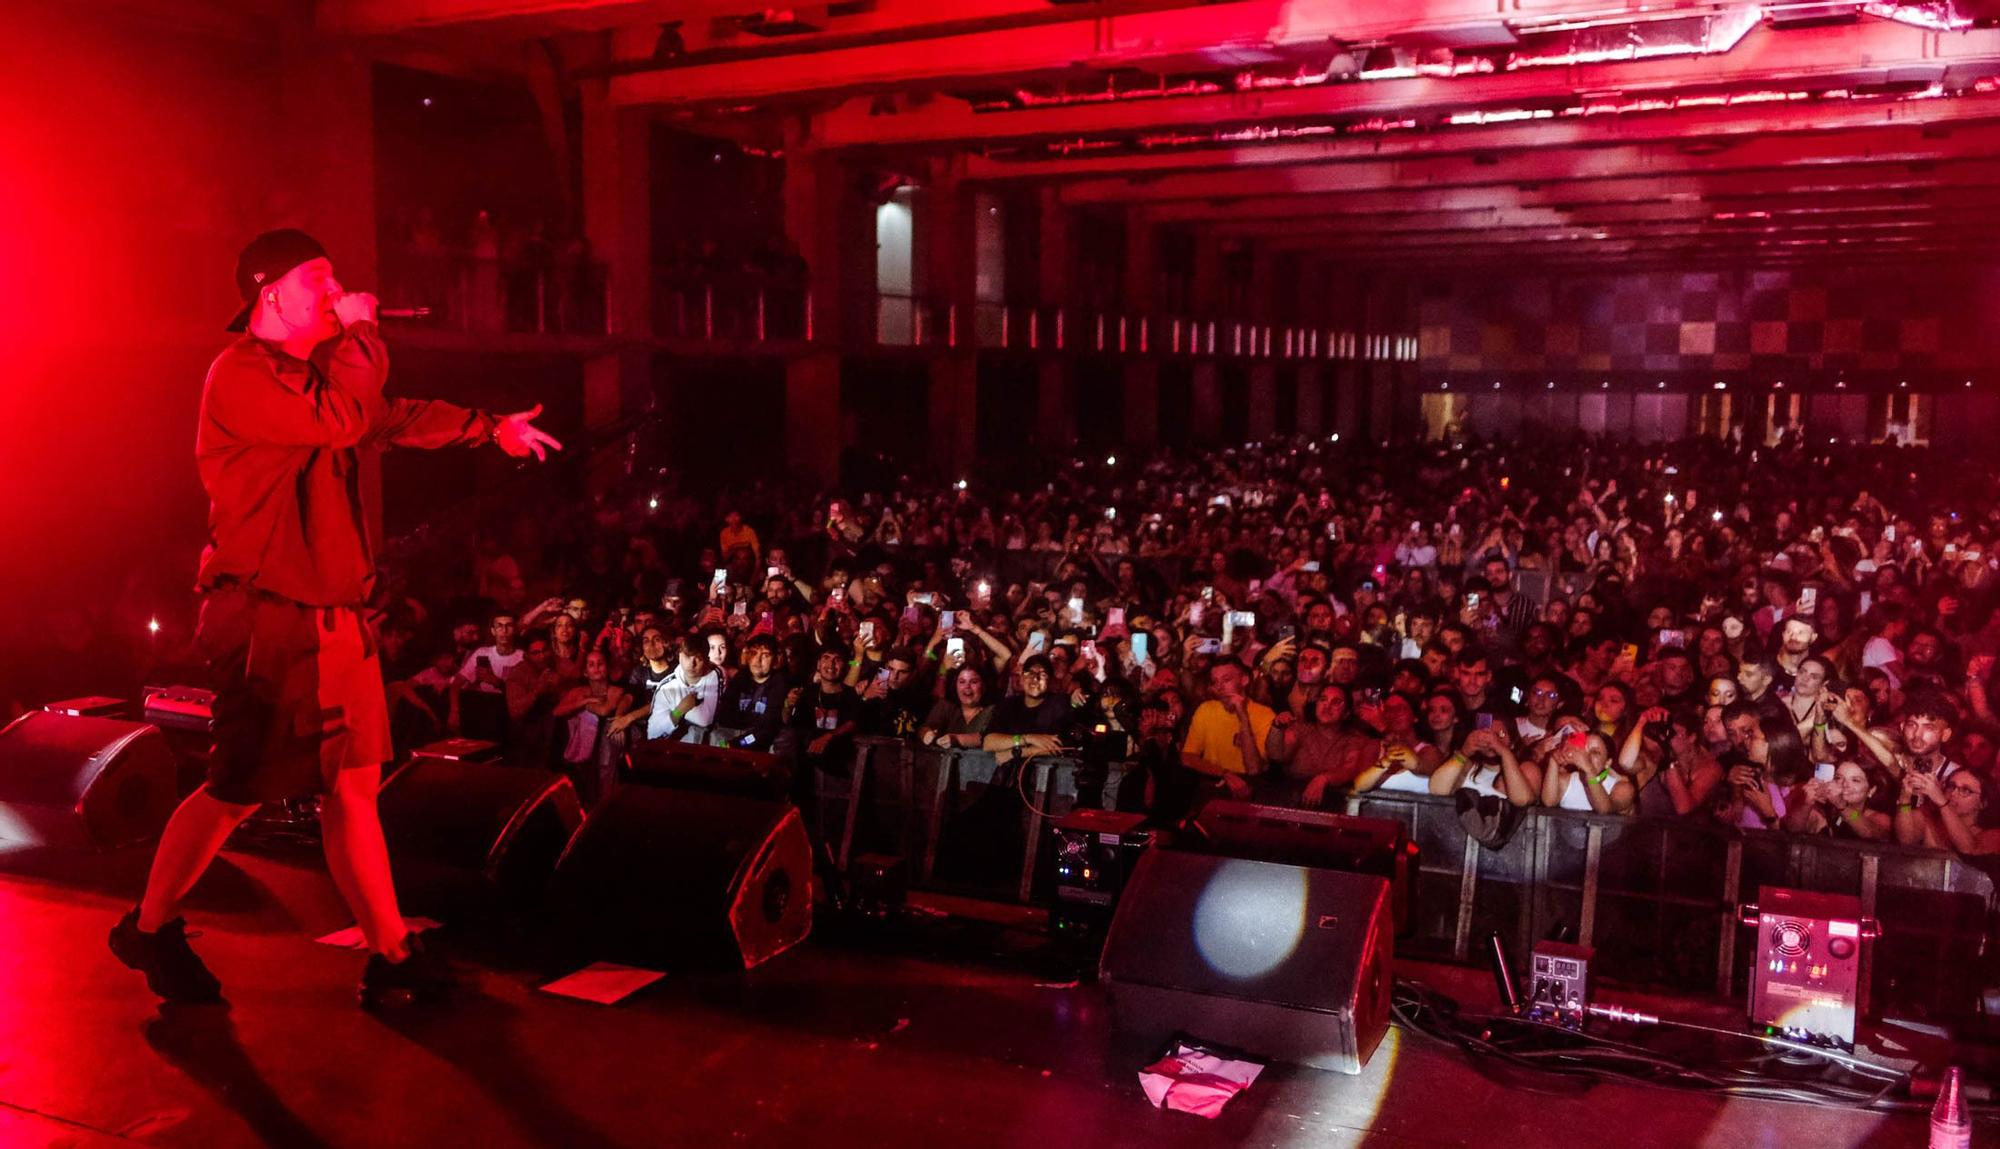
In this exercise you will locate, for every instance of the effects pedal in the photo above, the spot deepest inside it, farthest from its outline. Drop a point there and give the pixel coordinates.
(1559, 984)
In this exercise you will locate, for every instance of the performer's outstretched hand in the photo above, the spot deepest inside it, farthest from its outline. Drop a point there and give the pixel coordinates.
(519, 437)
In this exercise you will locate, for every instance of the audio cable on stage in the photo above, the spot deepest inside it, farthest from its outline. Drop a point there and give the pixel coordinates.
(1777, 1069)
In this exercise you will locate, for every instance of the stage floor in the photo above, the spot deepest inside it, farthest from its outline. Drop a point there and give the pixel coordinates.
(952, 1034)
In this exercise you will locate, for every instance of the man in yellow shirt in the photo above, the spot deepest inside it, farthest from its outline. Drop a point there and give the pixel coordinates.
(736, 534)
(1226, 738)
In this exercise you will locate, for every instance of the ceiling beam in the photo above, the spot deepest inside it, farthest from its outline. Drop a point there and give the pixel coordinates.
(1568, 233)
(1676, 128)
(1883, 146)
(1100, 42)
(1864, 52)
(1205, 37)
(400, 17)
(1620, 220)
(1362, 19)
(1735, 188)
(1531, 256)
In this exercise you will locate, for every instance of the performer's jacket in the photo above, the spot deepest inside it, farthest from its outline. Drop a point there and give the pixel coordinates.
(278, 445)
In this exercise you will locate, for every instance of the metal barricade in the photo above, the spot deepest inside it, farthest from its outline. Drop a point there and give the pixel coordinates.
(941, 812)
(1657, 897)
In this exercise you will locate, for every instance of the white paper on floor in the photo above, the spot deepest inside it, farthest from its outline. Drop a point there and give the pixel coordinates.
(1193, 1080)
(352, 938)
(605, 983)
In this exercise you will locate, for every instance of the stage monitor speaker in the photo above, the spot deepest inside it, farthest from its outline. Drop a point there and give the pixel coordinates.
(458, 750)
(90, 706)
(81, 782)
(659, 876)
(1290, 963)
(1378, 846)
(467, 836)
(714, 769)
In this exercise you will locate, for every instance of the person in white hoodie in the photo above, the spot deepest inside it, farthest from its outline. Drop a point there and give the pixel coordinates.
(684, 705)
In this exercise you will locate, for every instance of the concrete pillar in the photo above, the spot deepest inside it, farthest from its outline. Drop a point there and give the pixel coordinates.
(1205, 406)
(812, 416)
(1055, 396)
(816, 206)
(1263, 400)
(1205, 283)
(1312, 393)
(1205, 294)
(1142, 372)
(1348, 393)
(947, 254)
(1261, 396)
(617, 207)
(616, 186)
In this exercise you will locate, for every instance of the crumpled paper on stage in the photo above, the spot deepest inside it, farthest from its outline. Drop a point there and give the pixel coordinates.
(1193, 1080)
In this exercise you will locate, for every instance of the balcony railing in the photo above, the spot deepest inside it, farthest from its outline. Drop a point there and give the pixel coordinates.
(499, 296)
(733, 312)
(765, 313)
(907, 321)
(554, 296)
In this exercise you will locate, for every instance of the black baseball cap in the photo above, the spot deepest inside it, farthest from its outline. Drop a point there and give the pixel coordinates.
(266, 258)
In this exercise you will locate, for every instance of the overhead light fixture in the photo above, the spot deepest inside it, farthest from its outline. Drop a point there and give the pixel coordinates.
(1382, 62)
(776, 22)
(1814, 15)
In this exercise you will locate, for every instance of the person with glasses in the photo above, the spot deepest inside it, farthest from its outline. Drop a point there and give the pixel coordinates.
(1033, 721)
(1943, 813)
(1539, 704)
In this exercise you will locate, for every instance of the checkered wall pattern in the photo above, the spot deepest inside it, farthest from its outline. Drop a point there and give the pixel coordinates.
(1758, 323)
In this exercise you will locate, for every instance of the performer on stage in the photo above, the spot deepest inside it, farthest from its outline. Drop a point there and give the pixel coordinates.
(299, 707)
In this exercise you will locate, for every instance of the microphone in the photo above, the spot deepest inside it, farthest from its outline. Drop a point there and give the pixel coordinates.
(403, 312)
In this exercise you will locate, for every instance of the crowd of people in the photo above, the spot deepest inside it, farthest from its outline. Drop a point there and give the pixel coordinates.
(1766, 637)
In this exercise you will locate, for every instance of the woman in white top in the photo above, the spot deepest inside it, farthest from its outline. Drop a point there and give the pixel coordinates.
(1578, 774)
(1487, 765)
(1406, 761)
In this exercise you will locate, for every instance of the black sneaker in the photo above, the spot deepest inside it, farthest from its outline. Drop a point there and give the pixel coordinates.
(423, 976)
(173, 971)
